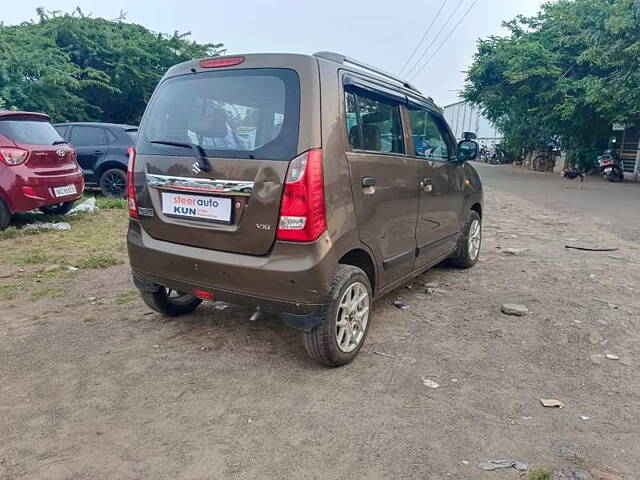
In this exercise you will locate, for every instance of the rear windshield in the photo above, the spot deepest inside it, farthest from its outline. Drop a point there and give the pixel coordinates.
(236, 113)
(35, 132)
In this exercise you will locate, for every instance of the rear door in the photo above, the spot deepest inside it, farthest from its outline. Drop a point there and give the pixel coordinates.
(245, 121)
(383, 179)
(441, 199)
(91, 145)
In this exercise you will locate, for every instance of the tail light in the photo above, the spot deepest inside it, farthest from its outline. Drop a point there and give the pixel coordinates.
(221, 62)
(302, 211)
(204, 295)
(131, 186)
(29, 191)
(13, 156)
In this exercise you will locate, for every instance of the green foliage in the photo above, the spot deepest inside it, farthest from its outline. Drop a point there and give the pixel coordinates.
(111, 203)
(539, 474)
(562, 77)
(78, 68)
(583, 157)
(100, 260)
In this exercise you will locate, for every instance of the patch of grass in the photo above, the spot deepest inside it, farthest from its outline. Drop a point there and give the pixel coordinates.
(90, 235)
(539, 474)
(126, 296)
(53, 272)
(111, 203)
(74, 304)
(46, 292)
(8, 290)
(13, 232)
(100, 260)
(50, 257)
(32, 257)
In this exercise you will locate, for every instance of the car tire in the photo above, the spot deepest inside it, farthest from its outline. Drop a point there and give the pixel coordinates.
(169, 302)
(5, 215)
(58, 209)
(113, 183)
(468, 249)
(331, 343)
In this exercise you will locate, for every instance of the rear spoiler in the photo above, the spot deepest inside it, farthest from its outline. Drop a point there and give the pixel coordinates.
(19, 115)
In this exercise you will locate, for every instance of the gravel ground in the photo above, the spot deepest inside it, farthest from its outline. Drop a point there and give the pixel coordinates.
(94, 388)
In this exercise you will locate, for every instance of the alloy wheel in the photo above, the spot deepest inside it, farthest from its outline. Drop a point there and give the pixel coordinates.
(352, 317)
(475, 238)
(114, 184)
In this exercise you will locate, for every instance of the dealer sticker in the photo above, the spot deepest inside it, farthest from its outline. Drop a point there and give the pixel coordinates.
(197, 206)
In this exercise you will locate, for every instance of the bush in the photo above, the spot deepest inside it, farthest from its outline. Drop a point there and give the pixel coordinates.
(583, 158)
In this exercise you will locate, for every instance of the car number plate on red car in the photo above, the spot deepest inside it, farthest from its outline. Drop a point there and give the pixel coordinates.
(607, 170)
(217, 209)
(64, 191)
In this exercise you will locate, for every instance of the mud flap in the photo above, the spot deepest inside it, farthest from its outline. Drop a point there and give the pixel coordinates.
(144, 285)
(301, 322)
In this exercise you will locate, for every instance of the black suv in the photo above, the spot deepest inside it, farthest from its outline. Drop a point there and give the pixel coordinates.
(102, 153)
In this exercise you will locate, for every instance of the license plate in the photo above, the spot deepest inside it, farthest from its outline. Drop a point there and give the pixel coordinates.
(608, 170)
(64, 191)
(217, 209)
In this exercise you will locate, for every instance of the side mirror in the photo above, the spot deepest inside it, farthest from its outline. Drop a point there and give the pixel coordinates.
(467, 150)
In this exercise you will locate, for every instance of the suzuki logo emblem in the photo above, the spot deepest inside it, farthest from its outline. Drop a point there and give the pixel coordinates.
(195, 168)
(61, 153)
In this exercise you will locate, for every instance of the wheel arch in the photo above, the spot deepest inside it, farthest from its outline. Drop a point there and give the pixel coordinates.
(4, 198)
(358, 257)
(108, 165)
(477, 207)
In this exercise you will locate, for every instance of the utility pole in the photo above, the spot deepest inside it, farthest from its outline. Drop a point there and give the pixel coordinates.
(636, 170)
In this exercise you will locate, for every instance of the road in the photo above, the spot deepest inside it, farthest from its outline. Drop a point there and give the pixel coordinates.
(93, 385)
(614, 206)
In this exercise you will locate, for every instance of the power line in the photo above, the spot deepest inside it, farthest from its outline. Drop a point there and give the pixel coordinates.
(433, 41)
(423, 37)
(445, 40)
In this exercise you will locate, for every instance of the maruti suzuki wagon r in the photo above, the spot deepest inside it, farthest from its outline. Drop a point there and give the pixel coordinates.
(306, 185)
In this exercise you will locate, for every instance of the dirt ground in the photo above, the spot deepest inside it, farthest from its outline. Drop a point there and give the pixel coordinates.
(93, 385)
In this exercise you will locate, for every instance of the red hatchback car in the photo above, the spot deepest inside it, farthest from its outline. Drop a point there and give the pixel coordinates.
(37, 167)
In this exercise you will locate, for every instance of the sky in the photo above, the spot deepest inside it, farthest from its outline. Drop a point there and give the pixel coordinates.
(381, 33)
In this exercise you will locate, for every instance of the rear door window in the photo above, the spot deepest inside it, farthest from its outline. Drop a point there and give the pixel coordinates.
(237, 113)
(373, 122)
(34, 132)
(429, 139)
(88, 136)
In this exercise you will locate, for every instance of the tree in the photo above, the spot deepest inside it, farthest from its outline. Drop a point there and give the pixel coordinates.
(561, 77)
(79, 68)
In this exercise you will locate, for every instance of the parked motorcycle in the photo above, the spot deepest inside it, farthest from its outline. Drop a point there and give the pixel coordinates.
(611, 165)
(497, 157)
(484, 154)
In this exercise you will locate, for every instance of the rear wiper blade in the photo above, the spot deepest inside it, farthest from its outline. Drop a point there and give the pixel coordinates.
(59, 142)
(198, 152)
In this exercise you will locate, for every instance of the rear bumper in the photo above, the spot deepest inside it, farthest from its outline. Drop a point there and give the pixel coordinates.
(43, 196)
(294, 278)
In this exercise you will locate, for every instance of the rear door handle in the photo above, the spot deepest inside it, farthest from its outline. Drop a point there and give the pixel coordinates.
(369, 185)
(426, 184)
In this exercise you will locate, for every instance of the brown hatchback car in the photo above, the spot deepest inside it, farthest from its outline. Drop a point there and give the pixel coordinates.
(295, 184)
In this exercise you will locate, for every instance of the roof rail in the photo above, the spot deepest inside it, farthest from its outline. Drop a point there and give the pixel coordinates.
(342, 59)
